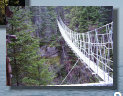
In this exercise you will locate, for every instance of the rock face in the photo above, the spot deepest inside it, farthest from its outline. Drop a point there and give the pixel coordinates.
(48, 51)
(61, 59)
(45, 21)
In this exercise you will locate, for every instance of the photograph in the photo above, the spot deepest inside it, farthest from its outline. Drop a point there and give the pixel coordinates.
(3, 4)
(59, 46)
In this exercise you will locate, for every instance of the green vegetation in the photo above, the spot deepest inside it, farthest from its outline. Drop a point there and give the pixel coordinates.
(83, 19)
(39, 55)
(3, 4)
(28, 67)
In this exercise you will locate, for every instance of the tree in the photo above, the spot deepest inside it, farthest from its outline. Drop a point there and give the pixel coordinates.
(3, 4)
(83, 19)
(106, 14)
(16, 2)
(28, 66)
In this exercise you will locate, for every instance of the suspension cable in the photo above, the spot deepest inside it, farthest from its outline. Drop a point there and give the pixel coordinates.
(69, 72)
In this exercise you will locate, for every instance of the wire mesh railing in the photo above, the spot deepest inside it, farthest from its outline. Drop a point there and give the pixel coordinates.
(96, 45)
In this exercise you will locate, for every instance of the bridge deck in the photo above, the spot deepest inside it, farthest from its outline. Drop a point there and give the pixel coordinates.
(87, 84)
(89, 63)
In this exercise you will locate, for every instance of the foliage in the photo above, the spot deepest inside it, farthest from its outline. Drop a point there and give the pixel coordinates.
(37, 33)
(38, 74)
(4, 3)
(83, 19)
(106, 14)
(2, 11)
(28, 67)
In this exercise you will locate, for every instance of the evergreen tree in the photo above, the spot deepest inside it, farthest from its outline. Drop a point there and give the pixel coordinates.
(106, 14)
(28, 67)
(81, 18)
(37, 32)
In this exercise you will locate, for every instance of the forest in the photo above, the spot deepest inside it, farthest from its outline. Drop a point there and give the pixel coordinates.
(39, 55)
(4, 3)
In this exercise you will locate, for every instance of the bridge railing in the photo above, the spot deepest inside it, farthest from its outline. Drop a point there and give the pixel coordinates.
(97, 45)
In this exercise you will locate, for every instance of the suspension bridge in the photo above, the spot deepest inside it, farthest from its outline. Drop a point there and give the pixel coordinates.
(93, 48)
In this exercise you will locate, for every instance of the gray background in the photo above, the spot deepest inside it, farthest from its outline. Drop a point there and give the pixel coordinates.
(7, 91)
